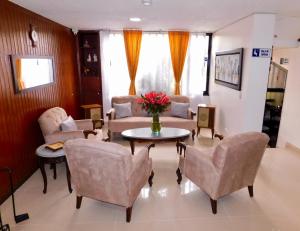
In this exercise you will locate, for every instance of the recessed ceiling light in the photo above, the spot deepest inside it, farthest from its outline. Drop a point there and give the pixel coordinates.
(147, 2)
(135, 19)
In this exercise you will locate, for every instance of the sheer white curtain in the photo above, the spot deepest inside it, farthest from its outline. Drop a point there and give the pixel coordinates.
(193, 80)
(155, 66)
(114, 70)
(155, 71)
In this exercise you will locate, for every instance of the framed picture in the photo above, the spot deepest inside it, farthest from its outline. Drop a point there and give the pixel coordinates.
(228, 68)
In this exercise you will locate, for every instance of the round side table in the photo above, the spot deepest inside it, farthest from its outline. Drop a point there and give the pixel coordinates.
(46, 156)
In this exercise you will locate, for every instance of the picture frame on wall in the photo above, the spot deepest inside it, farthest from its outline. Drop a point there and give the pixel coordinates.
(228, 68)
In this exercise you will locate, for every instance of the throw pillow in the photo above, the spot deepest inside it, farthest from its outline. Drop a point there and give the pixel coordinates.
(122, 110)
(68, 124)
(179, 109)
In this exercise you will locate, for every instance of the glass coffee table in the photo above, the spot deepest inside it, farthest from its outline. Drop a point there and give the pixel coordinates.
(145, 134)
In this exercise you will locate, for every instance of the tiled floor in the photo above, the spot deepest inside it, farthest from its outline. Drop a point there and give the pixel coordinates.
(167, 206)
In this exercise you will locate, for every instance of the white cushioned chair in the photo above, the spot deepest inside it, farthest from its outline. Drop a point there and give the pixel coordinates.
(107, 171)
(228, 167)
(51, 120)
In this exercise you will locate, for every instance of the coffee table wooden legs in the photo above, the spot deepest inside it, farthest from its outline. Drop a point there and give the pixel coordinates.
(53, 162)
(132, 146)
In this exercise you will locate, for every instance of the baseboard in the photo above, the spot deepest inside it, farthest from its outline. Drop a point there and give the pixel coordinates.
(292, 147)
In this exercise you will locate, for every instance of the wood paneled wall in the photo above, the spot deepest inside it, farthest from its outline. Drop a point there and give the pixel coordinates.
(20, 134)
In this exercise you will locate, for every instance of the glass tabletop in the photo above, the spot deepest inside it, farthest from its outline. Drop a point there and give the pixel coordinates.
(146, 133)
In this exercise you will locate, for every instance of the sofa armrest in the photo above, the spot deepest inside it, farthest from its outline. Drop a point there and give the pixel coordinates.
(191, 114)
(85, 124)
(63, 136)
(111, 114)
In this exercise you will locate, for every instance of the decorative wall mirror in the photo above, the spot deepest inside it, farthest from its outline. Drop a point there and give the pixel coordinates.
(32, 71)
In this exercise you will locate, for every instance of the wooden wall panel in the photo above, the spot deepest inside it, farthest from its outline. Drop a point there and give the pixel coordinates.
(20, 134)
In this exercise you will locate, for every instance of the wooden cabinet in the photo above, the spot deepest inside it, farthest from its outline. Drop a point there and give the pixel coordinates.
(206, 118)
(90, 68)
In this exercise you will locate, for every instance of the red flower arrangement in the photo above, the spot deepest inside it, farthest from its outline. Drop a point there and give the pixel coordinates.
(154, 102)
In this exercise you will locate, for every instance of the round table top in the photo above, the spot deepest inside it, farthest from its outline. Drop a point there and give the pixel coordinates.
(146, 133)
(42, 151)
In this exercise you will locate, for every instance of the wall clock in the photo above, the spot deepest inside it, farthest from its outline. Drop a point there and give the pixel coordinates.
(33, 36)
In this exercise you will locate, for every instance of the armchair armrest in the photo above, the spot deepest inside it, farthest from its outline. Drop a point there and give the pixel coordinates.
(63, 136)
(139, 162)
(191, 114)
(111, 114)
(85, 124)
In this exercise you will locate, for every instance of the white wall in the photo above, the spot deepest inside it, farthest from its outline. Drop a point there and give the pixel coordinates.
(290, 116)
(240, 111)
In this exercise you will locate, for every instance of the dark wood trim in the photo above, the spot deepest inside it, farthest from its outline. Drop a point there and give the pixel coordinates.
(179, 176)
(87, 132)
(78, 202)
(213, 204)
(128, 214)
(209, 52)
(151, 178)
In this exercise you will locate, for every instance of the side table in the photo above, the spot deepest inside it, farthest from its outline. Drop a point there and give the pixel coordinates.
(46, 156)
(206, 118)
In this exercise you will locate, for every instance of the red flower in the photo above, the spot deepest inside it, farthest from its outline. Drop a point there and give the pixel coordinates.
(154, 102)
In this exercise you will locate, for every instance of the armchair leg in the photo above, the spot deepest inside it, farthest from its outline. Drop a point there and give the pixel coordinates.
(193, 134)
(213, 205)
(179, 176)
(151, 178)
(250, 189)
(128, 214)
(78, 202)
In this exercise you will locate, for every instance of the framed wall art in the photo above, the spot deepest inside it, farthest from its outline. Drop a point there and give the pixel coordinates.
(228, 68)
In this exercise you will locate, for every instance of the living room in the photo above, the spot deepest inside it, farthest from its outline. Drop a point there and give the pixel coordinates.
(39, 29)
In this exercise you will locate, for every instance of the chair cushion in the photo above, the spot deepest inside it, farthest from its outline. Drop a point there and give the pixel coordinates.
(179, 109)
(68, 124)
(122, 110)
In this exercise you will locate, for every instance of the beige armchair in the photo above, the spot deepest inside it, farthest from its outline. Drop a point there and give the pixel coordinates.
(108, 172)
(51, 120)
(228, 167)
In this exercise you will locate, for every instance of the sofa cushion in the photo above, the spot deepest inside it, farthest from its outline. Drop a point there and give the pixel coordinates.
(179, 109)
(122, 110)
(122, 124)
(68, 124)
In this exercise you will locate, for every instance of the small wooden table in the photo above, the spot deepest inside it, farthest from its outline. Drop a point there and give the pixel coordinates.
(206, 118)
(46, 156)
(145, 134)
(94, 112)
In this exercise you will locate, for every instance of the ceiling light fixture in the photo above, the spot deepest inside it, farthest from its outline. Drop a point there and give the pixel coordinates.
(147, 2)
(135, 19)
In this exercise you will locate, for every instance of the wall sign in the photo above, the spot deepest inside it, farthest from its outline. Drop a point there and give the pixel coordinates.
(261, 52)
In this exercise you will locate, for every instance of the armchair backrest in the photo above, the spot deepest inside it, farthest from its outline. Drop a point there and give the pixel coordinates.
(99, 170)
(51, 119)
(237, 159)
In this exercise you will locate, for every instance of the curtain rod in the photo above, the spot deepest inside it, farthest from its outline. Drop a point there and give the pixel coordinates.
(153, 31)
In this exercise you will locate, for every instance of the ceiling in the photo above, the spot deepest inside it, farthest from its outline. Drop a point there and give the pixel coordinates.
(193, 15)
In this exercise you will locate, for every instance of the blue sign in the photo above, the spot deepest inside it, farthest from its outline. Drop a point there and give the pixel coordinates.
(261, 52)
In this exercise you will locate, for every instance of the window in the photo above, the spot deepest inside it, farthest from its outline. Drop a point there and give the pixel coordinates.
(155, 66)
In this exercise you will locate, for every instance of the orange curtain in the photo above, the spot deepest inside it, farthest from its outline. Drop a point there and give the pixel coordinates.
(19, 78)
(132, 40)
(179, 41)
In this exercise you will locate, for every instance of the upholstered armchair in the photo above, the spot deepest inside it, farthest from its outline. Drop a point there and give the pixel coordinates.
(230, 166)
(108, 172)
(50, 123)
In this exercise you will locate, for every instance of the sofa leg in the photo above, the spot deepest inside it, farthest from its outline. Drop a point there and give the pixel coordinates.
(179, 176)
(213, 205)
(151, 178)
(250, 189)
(78, 202)
(128, 214)
(193, 134)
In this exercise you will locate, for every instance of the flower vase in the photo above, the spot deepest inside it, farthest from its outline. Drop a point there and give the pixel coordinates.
(155, 126)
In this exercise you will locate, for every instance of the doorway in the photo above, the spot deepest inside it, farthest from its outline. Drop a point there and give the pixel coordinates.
(274, 102)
